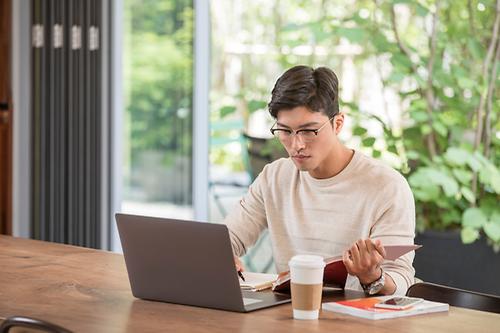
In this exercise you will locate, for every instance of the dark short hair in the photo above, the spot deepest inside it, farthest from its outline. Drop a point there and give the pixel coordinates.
(316, 89)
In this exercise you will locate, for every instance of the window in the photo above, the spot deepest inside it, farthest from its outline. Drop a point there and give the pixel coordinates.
(157, 115)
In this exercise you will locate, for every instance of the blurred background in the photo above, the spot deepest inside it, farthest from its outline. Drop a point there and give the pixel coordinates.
(418, 85)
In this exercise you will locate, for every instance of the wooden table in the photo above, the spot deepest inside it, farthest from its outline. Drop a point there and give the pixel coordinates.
(87, 290)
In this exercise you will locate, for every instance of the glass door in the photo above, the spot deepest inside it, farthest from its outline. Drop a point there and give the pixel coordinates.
(157, 108)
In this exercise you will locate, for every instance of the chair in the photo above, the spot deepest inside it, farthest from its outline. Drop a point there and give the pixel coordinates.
(220, 186)
(261, 151)
(455, 297)
(30, 323)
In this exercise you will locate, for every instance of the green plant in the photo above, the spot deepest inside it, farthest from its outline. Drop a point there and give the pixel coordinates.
(441, 60)
(444, 68)
(158, 77)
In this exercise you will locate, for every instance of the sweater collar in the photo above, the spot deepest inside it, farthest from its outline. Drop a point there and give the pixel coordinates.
(342, 175)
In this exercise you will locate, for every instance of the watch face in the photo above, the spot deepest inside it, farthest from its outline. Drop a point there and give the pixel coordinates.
(376, 287)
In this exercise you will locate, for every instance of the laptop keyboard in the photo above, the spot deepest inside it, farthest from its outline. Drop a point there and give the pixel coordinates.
(248, 301)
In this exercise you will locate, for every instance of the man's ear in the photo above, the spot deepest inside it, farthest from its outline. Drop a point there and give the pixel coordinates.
(338, 123)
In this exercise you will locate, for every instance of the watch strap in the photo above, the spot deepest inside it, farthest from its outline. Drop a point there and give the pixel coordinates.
(375, 286)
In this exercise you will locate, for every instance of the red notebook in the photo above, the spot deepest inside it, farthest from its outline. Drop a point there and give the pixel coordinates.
(335, 274)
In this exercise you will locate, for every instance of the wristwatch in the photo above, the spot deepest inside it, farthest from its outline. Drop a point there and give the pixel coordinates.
(374, 287)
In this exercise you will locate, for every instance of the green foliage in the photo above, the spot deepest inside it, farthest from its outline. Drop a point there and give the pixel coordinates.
(455, 180)
(445, 187)
(158, 76)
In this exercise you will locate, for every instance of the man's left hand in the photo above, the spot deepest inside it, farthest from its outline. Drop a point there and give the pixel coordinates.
(363, 260)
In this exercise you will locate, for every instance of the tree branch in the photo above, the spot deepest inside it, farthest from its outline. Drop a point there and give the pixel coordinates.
(489, 104)
(480, 108)
(486, 65)
(471, 18)
(401, 46)
(430, 63)
(376, 27)
(427, 93)
(382, 92)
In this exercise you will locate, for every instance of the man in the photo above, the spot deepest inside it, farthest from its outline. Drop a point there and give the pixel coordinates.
(326, 199)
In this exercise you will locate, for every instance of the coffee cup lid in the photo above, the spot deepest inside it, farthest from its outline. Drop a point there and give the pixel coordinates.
(307, 261)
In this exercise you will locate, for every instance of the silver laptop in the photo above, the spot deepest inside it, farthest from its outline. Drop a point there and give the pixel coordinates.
(186, 262)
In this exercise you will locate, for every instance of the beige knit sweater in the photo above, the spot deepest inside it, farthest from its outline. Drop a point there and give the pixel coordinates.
(305, 215)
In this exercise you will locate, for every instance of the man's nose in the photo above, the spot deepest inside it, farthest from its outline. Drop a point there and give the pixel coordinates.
(297, 143)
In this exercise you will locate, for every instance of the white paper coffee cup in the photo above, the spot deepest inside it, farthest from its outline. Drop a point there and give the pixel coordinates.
(306, 281)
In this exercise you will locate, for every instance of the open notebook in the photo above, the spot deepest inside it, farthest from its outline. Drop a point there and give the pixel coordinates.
(335, 273)
(257, 281)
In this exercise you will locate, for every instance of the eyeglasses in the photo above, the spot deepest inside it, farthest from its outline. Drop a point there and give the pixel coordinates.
(305, 135)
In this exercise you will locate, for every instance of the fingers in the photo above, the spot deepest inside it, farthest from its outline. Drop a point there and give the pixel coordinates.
(370, 247)
(363, 250)
(354, 252)
(364, 257)
(238, 264)
(380, 248)
(348, 263)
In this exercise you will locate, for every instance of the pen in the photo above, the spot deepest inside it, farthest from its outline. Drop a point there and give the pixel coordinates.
(241, 275)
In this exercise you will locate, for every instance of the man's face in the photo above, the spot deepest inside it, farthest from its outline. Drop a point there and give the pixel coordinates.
(307, 153)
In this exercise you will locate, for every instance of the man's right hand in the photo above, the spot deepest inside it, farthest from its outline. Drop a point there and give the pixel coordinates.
(238, 264)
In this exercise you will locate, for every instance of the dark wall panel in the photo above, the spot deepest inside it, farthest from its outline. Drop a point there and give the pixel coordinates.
(66, 80)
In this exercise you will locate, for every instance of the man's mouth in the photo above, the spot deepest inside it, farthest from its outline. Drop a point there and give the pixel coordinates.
(300, 157)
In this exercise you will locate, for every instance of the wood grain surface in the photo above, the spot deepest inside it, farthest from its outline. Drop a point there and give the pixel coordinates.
(87, 290)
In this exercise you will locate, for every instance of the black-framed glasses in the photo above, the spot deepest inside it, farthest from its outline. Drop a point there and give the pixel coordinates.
(305, 135)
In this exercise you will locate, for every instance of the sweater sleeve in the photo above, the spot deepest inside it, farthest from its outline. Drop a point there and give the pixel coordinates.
(248, 219)
(395, 225)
